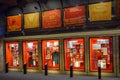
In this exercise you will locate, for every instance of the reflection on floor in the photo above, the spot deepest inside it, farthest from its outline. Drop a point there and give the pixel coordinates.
(39, 76)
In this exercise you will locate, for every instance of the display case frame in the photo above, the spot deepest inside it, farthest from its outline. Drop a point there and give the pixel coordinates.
(74, 54)
(77, 72)
(51, 54)
(28, 69)
(60, 70)
(19, 56)
(113, 73)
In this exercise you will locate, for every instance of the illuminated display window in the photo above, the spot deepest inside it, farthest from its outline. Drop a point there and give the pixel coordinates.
(12, 54)
(101, 54)
(50, 54)
(30, 53)
(74, 53)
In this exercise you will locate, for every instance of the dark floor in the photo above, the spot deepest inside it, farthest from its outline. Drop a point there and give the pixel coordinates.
(37, 76)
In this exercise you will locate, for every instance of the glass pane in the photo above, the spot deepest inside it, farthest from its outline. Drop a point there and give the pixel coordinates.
(74, 54)
(101, 54)
(30, 53)
(12, 54)
(50, 54)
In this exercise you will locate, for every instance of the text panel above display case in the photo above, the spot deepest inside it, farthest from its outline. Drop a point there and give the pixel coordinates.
(101, 54)
(14, 23)
(30, 53)
(51, 54)
(74, 16)
(100, 11)
(51, 19)
(12, 54)
(74, 54)
(31, 20)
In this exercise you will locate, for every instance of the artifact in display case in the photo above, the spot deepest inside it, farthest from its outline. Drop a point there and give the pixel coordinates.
(74, 53)
(30, 53)
(51, 54)
(101, 54)
(12, 54)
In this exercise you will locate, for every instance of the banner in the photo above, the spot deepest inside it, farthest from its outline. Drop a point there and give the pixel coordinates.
(51, 19)
(31, 20)
(14, 23)
(100, 11)
(74, 16)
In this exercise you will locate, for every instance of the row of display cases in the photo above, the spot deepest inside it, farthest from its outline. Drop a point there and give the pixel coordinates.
(60, 51)
(74, 53)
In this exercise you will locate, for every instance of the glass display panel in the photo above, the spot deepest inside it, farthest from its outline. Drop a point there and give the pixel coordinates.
(74, 16)
(74, 54)
(14, 23)
(12, 54)
(101, 54)
(30, 53)
(51, 19)
(51, 54)
(31, 20)
(100, 11)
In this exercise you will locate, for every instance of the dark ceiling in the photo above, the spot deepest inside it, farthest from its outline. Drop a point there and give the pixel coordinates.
(5, 4)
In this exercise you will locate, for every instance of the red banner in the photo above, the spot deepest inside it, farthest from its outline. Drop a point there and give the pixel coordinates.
(51, 19)
(74, 16)
(14, 23)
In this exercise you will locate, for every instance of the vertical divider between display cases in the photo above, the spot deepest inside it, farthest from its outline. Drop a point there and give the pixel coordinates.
(117, 55)
(40, 55)
(114, 56)
(86, 44)
(4, 55)
(21, 55)
(87, 54)
(62, 55)
(116, 50)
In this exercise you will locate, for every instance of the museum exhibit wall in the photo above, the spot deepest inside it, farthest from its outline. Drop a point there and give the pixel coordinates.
(60, 33)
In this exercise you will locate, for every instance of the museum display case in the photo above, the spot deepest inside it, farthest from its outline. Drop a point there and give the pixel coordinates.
(101, 54)
(30, 54)
(74, 54)
(50, 54)
(12, 54)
